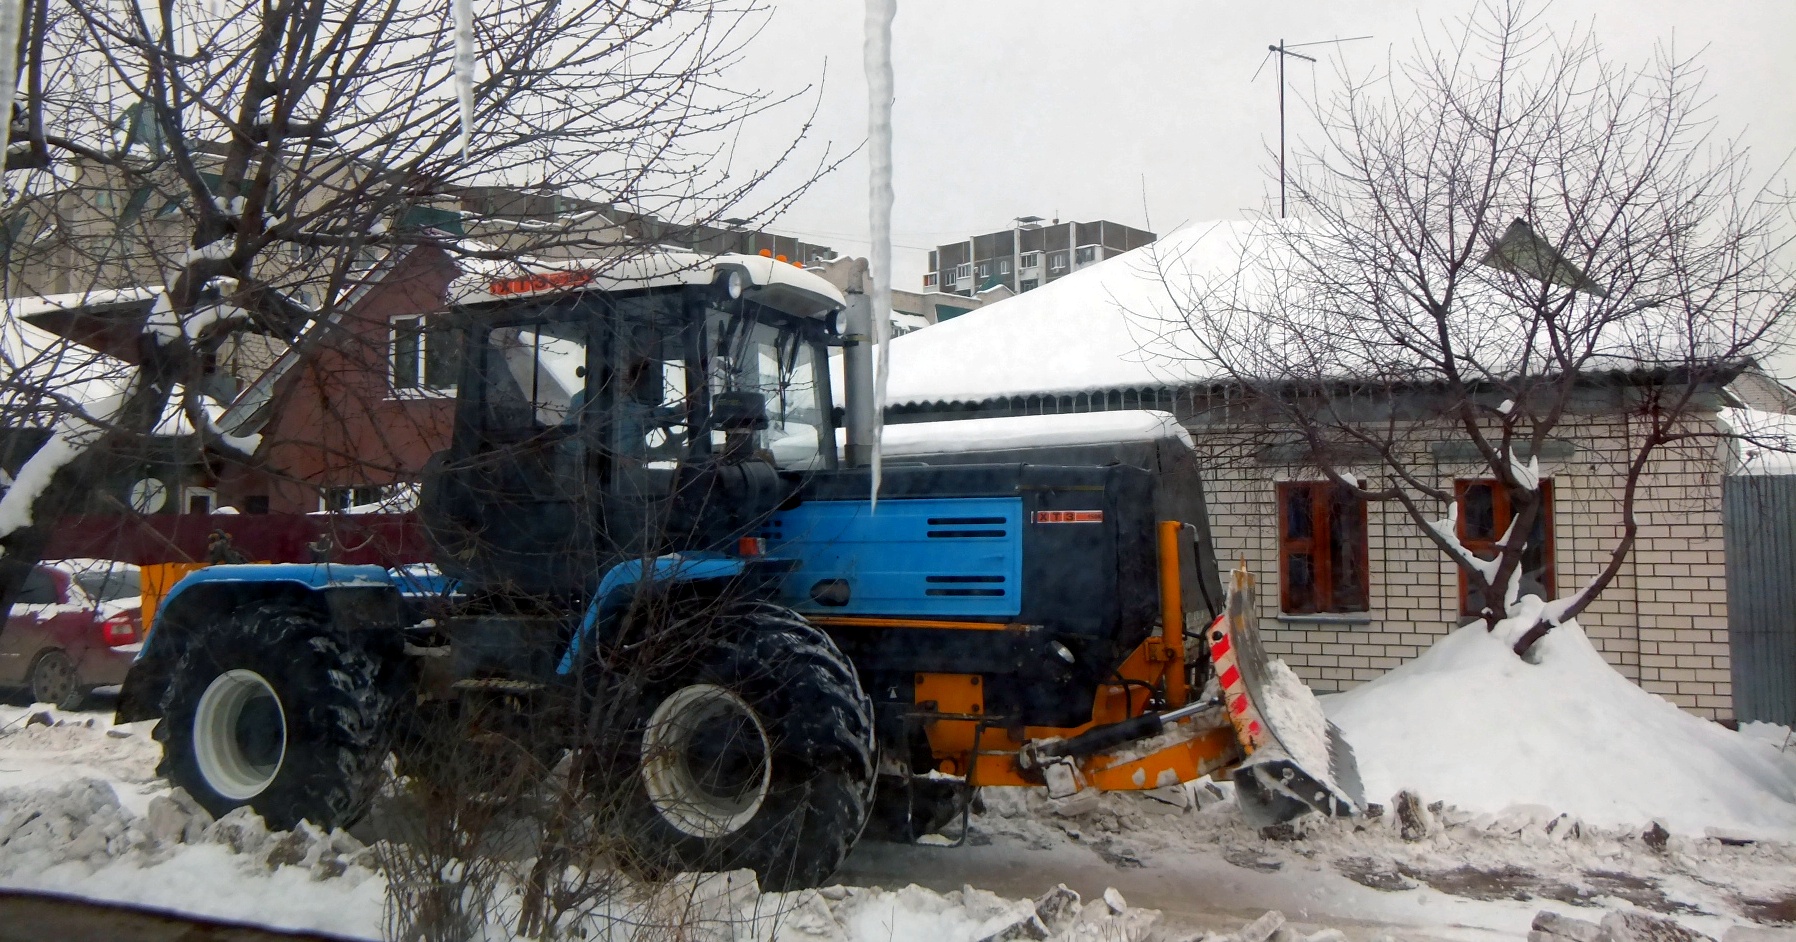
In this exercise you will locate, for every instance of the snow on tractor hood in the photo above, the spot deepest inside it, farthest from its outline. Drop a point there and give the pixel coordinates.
(776, 284)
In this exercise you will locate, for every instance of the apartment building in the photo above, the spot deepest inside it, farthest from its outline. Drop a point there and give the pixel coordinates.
(1028, 255)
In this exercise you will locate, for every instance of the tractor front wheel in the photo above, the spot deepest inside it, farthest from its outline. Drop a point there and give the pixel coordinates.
(758, 753)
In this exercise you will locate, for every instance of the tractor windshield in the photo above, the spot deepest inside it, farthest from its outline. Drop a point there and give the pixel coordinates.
(751, 357)
(768, 358)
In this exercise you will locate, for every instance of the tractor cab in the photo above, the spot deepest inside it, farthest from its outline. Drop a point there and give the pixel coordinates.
(628, 408)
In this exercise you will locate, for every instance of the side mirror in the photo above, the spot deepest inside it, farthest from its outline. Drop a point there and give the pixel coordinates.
(739, 411)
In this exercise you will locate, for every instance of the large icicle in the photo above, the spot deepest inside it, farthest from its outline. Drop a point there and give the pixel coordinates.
(11, 13)
(878, 59)
(464, 68)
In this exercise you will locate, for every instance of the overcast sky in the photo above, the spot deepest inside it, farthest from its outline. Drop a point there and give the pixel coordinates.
(1008, 108)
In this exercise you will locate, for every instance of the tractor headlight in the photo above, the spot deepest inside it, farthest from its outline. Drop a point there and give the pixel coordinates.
(731, 282)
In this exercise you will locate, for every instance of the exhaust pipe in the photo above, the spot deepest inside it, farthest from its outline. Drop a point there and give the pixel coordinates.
(857, 373)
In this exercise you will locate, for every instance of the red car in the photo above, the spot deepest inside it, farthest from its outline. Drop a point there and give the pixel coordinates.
(77, 625)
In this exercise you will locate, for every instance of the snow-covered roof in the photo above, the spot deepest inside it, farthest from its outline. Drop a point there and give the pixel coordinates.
(48, 376)
(1767, 442)
(1127, 323)
(78, 301)
(1102, 327)
(1030, 431)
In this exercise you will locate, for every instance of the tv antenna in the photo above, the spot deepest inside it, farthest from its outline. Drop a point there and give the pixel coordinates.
(1283, 51)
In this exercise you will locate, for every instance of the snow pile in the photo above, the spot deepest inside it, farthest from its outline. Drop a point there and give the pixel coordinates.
(1484, 870)
(872, 914)
(1782, 737)
(1470, 723)
(42, 746)
(77, 838)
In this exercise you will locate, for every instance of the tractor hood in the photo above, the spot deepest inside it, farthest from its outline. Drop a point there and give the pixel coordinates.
(777, 284)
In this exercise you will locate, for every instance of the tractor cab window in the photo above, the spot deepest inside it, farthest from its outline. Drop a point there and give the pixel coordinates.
(652, 395)
(535, 375)
(763, 360)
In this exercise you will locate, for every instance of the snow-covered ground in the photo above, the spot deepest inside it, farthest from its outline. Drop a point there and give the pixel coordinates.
(1543, 781)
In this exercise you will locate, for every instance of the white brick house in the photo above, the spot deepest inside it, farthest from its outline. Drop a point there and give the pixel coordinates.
(1098, 341)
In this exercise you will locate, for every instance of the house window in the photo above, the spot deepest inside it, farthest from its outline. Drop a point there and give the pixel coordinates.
(1085, 254)
(963, 271)
(425, 356)
(1322, 558)
(929, 280)
(1029, 284)
(255, 504)
(1057, 262)
(343, 498)
(985, 269)
(1004, 267)
(1484, 516)
(1031, 260)
(199, 500)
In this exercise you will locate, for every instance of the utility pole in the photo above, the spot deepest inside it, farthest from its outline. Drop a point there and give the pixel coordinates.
(1282, 51)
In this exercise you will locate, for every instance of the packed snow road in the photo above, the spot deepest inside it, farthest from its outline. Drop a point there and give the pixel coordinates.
(1552, 785)
(1470, 877)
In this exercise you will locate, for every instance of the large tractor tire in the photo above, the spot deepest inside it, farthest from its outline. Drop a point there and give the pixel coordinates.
(757, 753)
(276, 708)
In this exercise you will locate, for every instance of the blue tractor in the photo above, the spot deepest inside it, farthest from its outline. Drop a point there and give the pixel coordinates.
(654, 553)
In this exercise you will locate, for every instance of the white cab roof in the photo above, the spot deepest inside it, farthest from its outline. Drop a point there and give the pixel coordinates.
(777, 284)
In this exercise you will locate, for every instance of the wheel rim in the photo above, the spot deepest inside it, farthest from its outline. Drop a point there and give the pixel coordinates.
(53, 681)
(706, 761)
(239, 734)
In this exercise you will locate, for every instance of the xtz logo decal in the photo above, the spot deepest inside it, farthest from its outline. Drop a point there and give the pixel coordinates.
(1069, 516)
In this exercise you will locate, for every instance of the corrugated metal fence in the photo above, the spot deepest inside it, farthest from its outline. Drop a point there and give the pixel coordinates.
(1759, 521)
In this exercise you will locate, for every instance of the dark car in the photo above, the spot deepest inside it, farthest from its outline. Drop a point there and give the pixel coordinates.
(76, 625)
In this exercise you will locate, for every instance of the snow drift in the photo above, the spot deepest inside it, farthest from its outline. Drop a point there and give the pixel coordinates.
(1470, 723)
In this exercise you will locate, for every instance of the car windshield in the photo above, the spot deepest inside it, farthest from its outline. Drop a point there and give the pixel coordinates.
(109, 585)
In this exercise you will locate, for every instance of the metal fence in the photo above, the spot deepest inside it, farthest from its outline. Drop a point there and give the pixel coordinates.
(1759, 525)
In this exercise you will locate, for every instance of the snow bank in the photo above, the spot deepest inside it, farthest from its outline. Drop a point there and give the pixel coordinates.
(1470, 723)
(76, 838)
(81, 813)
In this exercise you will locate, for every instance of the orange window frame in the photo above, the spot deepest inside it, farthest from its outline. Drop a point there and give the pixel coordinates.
(1318, 501)
(1485, 546)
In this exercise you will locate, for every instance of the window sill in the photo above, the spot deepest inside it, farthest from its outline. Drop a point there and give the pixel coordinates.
(411, 392)
(1337, 618)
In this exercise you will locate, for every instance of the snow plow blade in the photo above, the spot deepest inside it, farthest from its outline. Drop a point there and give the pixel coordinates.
(1296, 760)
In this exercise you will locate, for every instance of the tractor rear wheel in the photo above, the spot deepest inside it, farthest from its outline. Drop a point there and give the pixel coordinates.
(757, 753)
(277, 708)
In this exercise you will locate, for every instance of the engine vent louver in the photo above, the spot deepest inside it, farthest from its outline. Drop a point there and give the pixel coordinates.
(965, 581)
(959, 523)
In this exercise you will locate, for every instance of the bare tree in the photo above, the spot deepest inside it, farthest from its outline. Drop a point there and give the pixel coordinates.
(253, 162)
(1494, 236)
